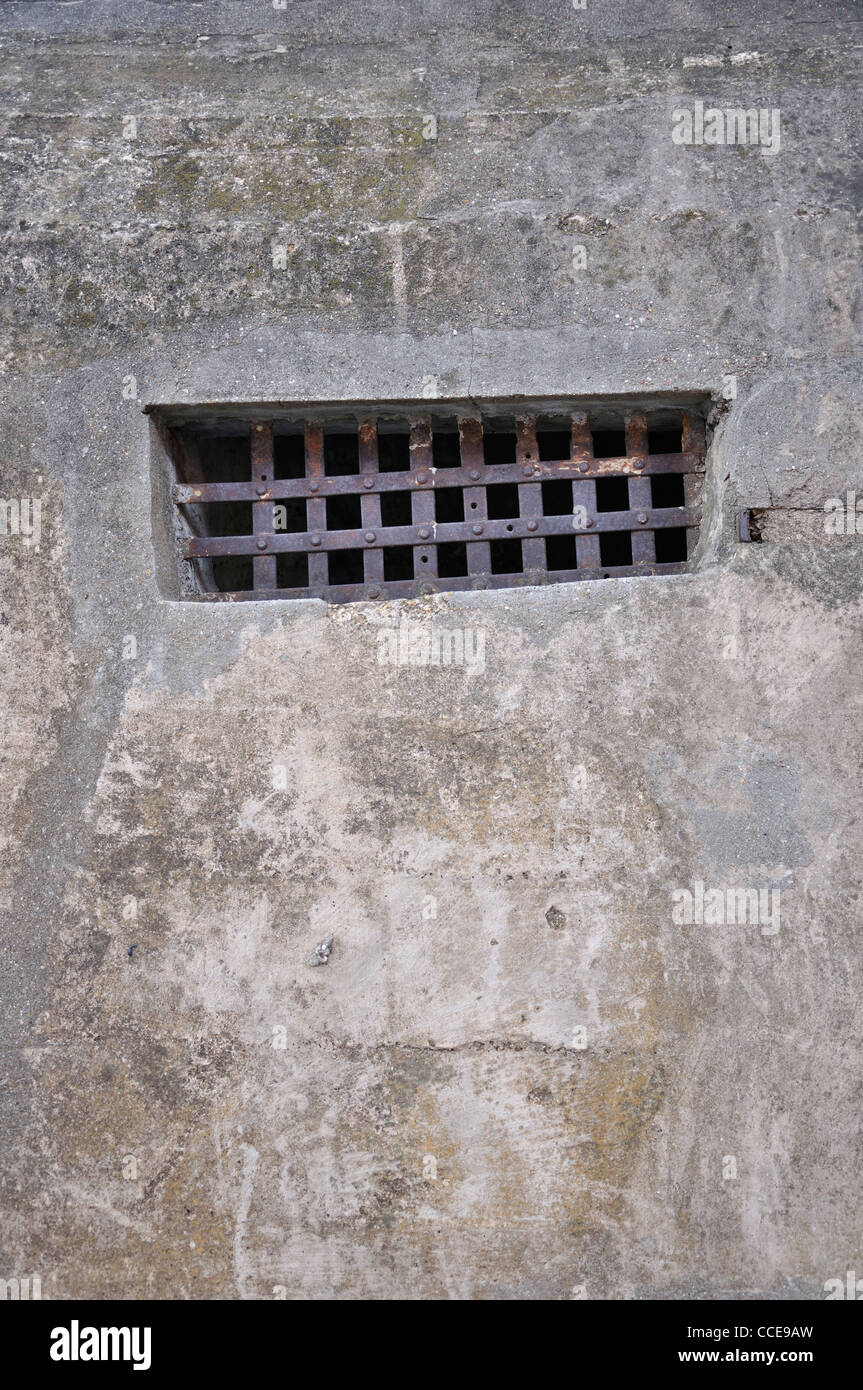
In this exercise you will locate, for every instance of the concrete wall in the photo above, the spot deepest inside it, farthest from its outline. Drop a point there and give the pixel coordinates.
(435, 1125)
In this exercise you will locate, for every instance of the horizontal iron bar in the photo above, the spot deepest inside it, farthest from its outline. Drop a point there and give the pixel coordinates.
(439, 533)
(414, 588)
(362, 483)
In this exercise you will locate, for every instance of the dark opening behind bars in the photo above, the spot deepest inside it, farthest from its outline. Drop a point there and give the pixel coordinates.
(374, 509)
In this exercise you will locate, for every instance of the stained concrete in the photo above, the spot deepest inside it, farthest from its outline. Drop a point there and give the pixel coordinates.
(494, 852)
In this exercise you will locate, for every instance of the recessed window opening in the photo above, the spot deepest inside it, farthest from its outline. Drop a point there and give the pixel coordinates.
(371, 502)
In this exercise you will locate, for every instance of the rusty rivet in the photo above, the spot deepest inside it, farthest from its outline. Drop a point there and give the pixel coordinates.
(528, 470)
(642, 517)
(429, 589)
(583, 466)
(531, 526)
(316, 540)
(374, 592)
(477, 530)
(369, 482)
(639, 464)
(424, 533)
(474, 472)
(313, 486)
(261, 542)
(370, 535)
(422, 477)
(261, 490)
(589, 521)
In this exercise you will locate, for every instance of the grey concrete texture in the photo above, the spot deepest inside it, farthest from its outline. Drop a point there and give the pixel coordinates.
(494, 853)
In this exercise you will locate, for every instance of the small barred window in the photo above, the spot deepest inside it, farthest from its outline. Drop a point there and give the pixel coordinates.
(385, 501)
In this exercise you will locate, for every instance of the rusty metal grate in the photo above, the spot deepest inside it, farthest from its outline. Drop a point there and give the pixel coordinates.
(371, 508)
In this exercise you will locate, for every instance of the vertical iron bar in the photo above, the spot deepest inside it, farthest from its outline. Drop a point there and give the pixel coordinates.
(475, 500)
(319, 568)
(370, 502)
(584, 490)
(422, 497)
(263, 566)
(529, 494)
(643, 542)
(693, 441)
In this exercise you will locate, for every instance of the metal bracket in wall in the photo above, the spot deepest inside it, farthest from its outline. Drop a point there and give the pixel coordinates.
(747, 526)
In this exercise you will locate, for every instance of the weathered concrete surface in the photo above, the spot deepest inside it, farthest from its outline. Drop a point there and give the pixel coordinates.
(432, 1125)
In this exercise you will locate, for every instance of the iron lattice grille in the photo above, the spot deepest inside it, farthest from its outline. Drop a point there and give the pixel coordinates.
(584, 533)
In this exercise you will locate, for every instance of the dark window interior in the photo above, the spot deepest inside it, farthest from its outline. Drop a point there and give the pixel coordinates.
(666, 490)
(612, 495)
(531, 489)
(609, 444)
